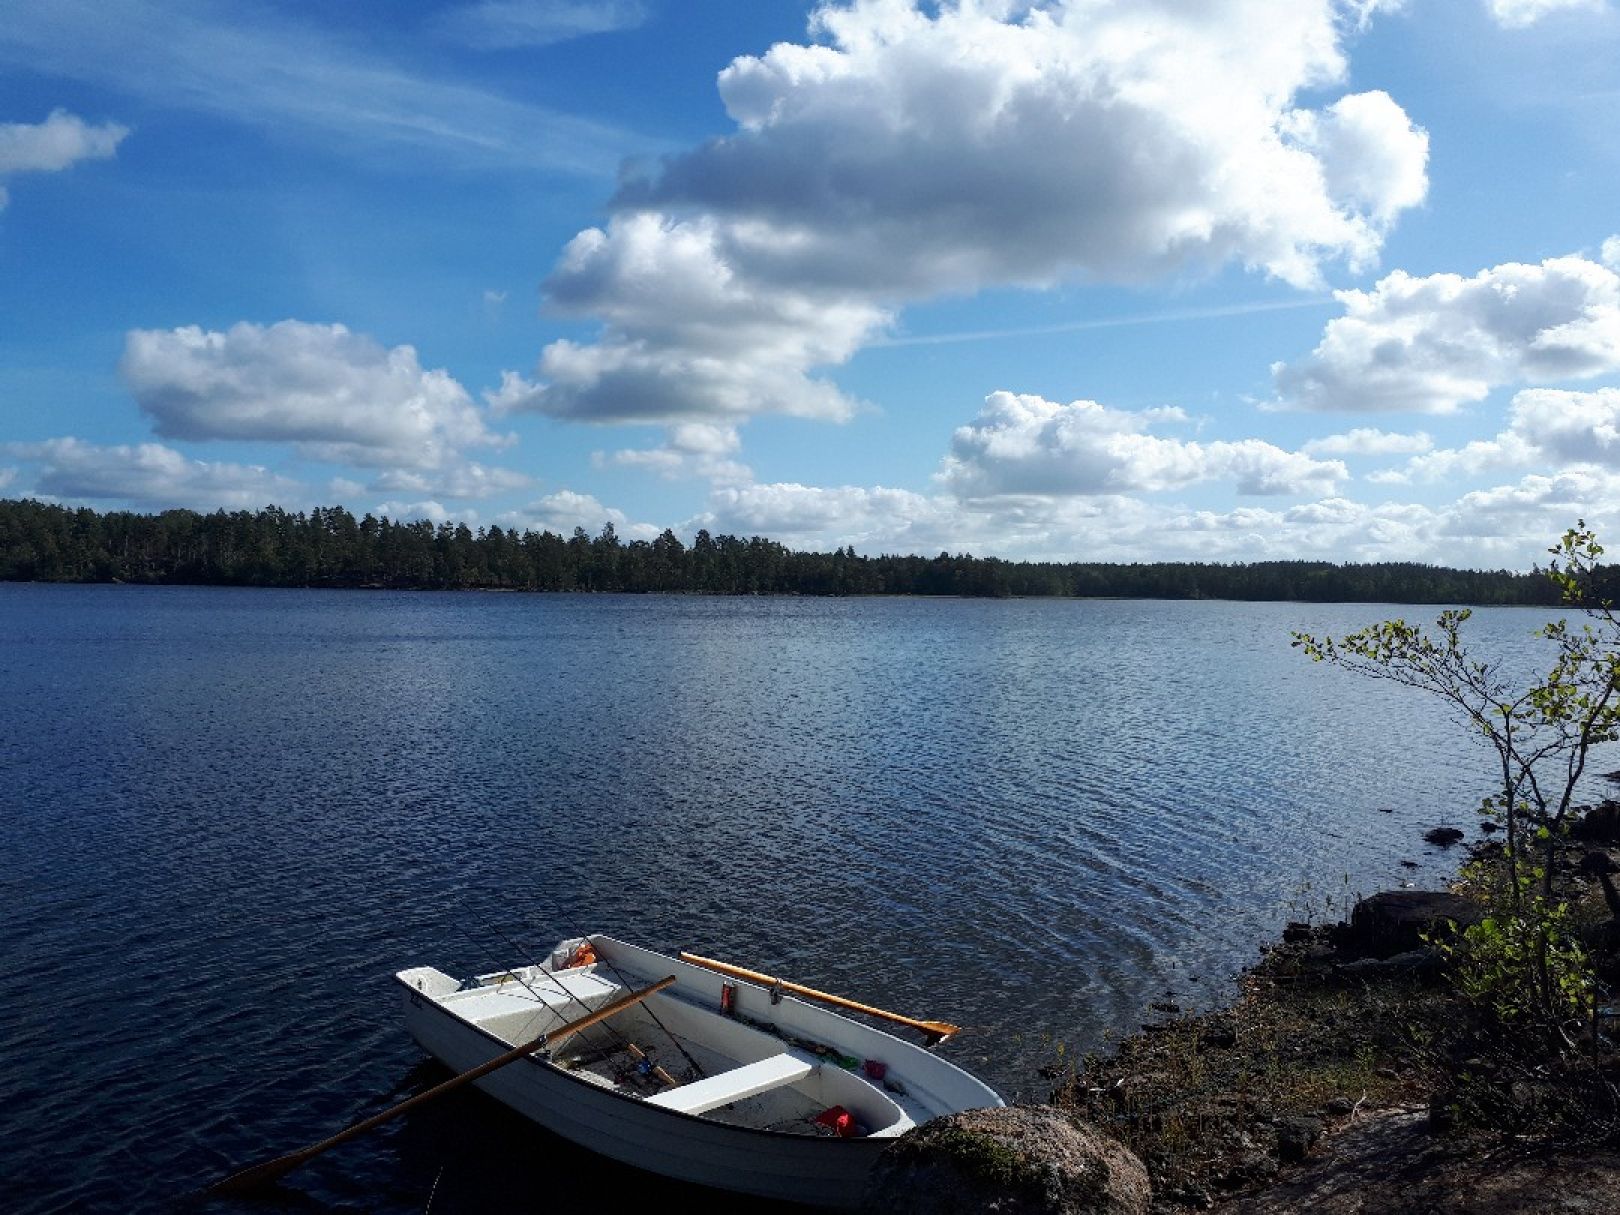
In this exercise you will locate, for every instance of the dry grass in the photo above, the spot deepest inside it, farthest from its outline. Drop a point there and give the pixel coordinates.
(1214, 1105)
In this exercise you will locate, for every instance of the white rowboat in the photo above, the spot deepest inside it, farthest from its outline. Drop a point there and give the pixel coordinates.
(675, 1086)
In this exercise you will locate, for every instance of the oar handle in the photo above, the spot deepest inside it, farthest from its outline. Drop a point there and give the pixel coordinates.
(262, 1174)
(936, 1030)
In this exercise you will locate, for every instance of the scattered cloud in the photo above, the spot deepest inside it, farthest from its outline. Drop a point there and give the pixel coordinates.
(1518, 518)
(1359, 13)
(1547, 427)
(914, 151)
(687, 337)
(1570, 427)
(563, 511)
(875, 519)
(7, 476)
(1022, 444)
(150, 474)
(340, 396)
(1434, 344)
(251, 64)
(1517, 14)
(691, 449)
(433, 512)
(57, 143)
(1501, 526)
(1367, 441)
(499, 25)
(1610, 255)
(465, 480)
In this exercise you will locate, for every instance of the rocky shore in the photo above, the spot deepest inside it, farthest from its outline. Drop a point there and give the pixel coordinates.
(1351, 1075)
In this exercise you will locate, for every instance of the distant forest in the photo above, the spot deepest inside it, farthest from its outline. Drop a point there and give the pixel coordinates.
(329, 547)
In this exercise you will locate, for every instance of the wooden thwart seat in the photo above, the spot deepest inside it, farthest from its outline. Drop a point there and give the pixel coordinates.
(726, 1087)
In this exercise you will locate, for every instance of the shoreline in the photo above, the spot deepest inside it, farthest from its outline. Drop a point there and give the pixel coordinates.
(1344, 1077)
(919, 596)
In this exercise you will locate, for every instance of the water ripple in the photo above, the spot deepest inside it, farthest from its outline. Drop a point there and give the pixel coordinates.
(227, 816)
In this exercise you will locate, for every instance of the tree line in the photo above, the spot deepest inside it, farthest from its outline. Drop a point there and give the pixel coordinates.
(329, 547)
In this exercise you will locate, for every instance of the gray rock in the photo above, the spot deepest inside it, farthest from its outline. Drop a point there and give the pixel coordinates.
(1396, 921)
(1021, 1160)
(1339, 1107)
(1297, 1136)
(1443, 837)
(1412, 962)
(1251, 1169)
(1599, 824)
(1595, 861)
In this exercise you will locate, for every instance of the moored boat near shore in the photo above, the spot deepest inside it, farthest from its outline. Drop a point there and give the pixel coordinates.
(714, 1079)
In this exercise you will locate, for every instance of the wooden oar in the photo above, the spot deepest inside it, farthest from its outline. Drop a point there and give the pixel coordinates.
(937, 1031)
(262, 1174)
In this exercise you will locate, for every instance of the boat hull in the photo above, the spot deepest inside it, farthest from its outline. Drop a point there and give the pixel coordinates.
(824, 1172)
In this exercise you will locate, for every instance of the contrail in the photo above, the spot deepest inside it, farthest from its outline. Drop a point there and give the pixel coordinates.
(1106, 322)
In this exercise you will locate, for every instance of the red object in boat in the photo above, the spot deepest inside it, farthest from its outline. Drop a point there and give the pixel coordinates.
(839, 1120)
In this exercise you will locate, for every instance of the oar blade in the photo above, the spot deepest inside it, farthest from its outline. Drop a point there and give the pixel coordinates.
(943, 1028)
(263, 1174)
(257, 1176)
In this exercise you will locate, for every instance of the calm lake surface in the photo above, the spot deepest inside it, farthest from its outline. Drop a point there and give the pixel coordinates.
(227, 816)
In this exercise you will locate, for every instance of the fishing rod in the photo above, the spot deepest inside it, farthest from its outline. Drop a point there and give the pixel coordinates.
(635, 1052)
(538, 999)
(619, 974)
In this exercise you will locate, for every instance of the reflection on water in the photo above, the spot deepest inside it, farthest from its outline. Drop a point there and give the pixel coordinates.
(226, 817)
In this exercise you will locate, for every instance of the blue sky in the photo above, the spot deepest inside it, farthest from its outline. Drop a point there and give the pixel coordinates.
(1083, 279)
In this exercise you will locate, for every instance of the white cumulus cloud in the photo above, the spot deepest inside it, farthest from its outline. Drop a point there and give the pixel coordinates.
(876, 519)
(1436, 343)
(340, 396)
(1546, 427)
(1507, 525)
(1517, 14)
(434, 512)
(59, 142)
(465, 480)
(915, 150)
(687, 335)
(1368, 441)
(1023, 444)
(561, 512)
(691, 449)
(150, 474)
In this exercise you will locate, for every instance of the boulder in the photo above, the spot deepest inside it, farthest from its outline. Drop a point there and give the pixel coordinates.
(1599, 864)
(1600, 824)
(1020, 1160)
(1396, 921)
(1296, 1137)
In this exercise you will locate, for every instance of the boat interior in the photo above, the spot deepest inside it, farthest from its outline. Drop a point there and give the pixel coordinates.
(676, 1055)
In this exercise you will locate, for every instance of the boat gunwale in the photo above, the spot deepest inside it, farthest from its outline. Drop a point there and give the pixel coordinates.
(637, 1102)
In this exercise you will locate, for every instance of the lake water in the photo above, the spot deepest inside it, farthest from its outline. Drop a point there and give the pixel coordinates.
(227, 816)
